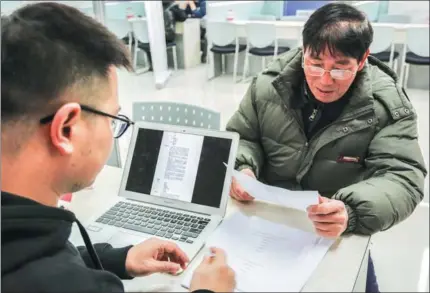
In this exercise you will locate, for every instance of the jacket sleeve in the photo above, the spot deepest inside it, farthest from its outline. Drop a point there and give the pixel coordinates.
(179, 14)
(245, 122)
(112, 259)
(200, 12)
(394, 180)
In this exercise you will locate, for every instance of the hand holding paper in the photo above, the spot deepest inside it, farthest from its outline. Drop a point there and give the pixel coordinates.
(237, 191)
(292, 199)
(330, 217)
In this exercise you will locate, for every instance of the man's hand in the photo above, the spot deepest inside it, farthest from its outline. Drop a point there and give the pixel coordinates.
(236, 190)
(329, 217)
(182, 4)
(155, 256)
(214, 274)
(192, 5)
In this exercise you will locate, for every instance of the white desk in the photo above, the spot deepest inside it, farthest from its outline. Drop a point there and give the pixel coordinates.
(188, 43)
(292, 30)
(341, 270)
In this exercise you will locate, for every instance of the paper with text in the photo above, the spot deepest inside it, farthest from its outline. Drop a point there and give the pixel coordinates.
(176, 170)
(293, 199)
(267, 256)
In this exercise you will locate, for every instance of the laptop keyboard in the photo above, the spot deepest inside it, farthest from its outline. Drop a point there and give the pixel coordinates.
(155, 221)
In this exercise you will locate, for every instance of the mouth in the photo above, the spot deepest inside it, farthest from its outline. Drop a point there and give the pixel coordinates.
(325, 92)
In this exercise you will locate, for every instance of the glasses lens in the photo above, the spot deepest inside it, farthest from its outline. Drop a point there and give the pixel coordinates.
(341, 74)
(121, 126)
(315, 70)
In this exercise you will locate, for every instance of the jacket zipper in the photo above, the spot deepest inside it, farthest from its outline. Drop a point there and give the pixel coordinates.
(306, 166)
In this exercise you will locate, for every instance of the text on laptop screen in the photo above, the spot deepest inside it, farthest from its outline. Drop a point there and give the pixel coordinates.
(179, 166)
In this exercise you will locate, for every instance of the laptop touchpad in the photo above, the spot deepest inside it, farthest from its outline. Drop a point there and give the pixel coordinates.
(121, 239)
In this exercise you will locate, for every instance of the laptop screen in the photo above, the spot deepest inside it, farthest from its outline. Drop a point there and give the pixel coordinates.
(179, 166)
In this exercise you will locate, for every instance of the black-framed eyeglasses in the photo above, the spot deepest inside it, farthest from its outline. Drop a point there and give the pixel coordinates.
(119, 125)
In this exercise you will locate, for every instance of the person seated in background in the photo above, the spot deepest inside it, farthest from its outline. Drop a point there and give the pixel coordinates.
(331, 118)
(172, 14)
(59, 115)
(197, 9)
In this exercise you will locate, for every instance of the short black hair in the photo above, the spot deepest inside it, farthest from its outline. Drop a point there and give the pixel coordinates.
(46, 48)
(339, 27)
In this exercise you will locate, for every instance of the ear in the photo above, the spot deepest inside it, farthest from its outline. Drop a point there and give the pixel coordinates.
(363, 61)
(63, 127)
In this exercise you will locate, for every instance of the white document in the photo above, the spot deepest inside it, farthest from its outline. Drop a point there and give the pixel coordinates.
(267, 256)
(293, 199)
(176, 170)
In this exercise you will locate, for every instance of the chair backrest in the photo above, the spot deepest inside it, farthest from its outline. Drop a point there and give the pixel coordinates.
(222, 33)
(120, 27)
(115, 157)
(382, 39)
(261, 35)
(140, 30)
(395, 18)
(418, 40)
(294, 18)
(265, 17)
(176, 114)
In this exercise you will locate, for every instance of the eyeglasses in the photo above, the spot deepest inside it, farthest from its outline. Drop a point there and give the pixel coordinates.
(339, 74)
(119, 124)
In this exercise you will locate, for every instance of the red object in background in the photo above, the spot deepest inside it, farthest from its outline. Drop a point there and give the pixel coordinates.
(67, 197)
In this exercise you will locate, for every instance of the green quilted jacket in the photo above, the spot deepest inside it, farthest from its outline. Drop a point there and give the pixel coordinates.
(384, 181)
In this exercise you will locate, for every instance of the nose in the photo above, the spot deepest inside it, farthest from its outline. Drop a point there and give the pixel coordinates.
(326, 79)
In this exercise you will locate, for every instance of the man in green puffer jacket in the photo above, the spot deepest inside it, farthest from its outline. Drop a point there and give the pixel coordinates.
(333, 119)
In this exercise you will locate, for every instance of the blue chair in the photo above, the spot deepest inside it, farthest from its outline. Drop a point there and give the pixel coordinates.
(262, 42)
(419, 51)
(224, 40)
(176, 114)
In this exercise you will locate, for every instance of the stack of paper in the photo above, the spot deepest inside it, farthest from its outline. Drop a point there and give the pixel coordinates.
(293, 199)
(266, 256)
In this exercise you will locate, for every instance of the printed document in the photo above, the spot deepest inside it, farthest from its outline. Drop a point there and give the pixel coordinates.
(178, 161)
(293, 199)
(267, 256)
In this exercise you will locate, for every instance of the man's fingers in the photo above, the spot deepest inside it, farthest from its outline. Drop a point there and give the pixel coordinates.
(328, 227)
(239, 193)
(330, 218)
(219, 256)
(234, 190)
(326, 234)
(247, 197)
(165, 267)
(175, 253)
(326, 208)
(322, 199)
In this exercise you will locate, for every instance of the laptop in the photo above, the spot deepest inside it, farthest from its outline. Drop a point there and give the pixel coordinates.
(175, 186)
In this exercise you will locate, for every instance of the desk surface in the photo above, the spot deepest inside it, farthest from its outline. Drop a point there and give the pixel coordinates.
(336, 273)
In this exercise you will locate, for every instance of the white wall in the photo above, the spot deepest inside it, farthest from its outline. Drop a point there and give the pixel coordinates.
(418, 10)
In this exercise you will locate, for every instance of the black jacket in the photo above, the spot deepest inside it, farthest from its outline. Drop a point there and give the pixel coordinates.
(172, 13)
(36, 255)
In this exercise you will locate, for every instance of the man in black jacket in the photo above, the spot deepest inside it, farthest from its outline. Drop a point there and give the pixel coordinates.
(59, 115)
